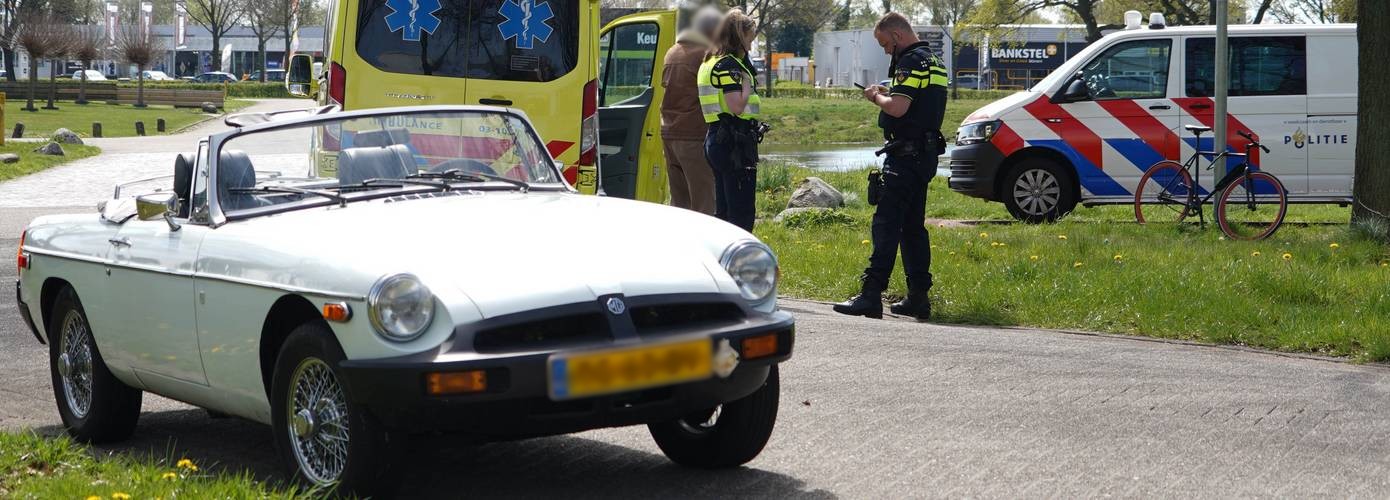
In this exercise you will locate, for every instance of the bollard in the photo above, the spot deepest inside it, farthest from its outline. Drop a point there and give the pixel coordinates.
(96, 129)
(139, 128)
(18, 130)
(159, 125)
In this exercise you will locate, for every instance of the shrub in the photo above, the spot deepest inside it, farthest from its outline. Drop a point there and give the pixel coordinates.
(774, 177)
(818, 218)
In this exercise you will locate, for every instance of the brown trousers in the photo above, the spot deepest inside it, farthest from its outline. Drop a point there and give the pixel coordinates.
(692, 181)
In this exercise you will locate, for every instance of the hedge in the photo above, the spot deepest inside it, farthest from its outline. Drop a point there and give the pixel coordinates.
(239, 89)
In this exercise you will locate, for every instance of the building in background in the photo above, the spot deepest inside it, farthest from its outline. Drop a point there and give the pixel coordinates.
(1026, 54)
(196, 55)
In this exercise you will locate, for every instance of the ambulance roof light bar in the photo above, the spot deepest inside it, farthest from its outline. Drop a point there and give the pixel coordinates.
(1132, 19)
(1156, 21)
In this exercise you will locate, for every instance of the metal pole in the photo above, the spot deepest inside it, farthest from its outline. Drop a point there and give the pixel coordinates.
(1223, 67)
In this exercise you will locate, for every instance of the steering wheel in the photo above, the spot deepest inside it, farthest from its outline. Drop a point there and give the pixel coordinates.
(466, 165)
(1099, 84)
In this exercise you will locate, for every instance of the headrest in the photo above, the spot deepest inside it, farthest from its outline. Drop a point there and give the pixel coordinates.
(361, 163)
(234, 170)
(183, 175)
(379, 138)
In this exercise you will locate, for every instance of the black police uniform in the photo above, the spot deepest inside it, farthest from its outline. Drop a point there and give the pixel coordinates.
(914, 141)
(732, 153)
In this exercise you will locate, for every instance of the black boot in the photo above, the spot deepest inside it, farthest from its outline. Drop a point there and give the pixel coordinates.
(915, 305)
(868, 303)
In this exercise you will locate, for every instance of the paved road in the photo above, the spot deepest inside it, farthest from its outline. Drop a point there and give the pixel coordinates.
(876, 409)
(87, 181)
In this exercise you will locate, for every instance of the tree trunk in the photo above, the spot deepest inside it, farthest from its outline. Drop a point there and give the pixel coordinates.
(1371, 193)
(9, 64)
(1260, 13)
(82, 85)
(33, 84)
(216, 51)
(52, 84)
(286, 63)
(140, 89)
(261, 47)
(767, 62)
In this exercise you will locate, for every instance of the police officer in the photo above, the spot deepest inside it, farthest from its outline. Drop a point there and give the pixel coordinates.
(730, 103)
(910, 116)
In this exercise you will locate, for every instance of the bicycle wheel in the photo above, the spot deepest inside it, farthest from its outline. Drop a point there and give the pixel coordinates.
(1252, 207)
(1164, 194)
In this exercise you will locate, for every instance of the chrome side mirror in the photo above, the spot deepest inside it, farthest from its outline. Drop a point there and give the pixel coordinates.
(158, 205)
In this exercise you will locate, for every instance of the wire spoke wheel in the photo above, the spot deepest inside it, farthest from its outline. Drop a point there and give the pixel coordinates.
(318, 417)
(1165, 194)
(1253, 207)
(75, 364)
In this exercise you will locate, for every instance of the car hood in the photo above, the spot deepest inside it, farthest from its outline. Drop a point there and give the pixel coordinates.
(997, 108)
(501, 252)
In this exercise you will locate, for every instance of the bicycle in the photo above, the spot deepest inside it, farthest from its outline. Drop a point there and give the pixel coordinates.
(1250, 203)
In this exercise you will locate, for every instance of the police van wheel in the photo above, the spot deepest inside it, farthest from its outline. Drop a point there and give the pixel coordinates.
(1038, 190)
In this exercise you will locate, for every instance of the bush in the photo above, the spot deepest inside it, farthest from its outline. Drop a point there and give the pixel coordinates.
(818, 218)
(233, 90)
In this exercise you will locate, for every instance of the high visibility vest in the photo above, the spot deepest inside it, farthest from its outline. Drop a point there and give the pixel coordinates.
(712, 102)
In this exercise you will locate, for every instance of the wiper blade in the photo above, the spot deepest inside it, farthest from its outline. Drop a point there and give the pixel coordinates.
(443, 186)
(342, 200)
(457, 174)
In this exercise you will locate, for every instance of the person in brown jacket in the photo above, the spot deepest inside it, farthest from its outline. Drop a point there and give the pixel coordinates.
(683, 127)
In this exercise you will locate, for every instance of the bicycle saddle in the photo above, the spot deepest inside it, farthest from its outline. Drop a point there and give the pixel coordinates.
(1197, 129)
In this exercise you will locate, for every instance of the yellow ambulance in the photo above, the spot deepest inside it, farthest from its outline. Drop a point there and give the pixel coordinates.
(594, 95)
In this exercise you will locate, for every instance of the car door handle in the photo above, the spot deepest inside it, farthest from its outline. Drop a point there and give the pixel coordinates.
(1160, 106)
(495, 102)
(1201, 106)
(120, 242)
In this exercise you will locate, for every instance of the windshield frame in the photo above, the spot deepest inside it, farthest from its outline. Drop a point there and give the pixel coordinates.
(215, 142)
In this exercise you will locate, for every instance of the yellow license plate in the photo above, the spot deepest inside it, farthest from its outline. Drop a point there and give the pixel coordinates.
(606, 372)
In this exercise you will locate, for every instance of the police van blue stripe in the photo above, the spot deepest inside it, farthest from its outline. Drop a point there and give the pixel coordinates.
(1092, 177)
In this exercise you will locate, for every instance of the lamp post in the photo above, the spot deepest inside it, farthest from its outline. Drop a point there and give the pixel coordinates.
(1223, 78)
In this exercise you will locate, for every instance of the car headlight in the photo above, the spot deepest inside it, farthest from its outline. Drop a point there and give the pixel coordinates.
(975, 133)
(753, 268)
(400, 307)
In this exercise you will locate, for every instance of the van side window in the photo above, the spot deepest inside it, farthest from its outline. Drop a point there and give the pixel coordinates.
(1130, 70)
(516, 40)
(627, 55)
(1260, 66)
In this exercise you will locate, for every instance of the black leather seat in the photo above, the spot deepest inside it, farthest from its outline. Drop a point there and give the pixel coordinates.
(183, 181)
(234, 171)
(359, 164)
(381, 138)
(1197, 129)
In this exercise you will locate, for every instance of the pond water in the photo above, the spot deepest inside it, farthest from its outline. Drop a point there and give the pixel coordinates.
(837, 157)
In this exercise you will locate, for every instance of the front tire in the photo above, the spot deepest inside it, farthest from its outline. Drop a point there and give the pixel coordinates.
(94, 405)
(327, 440)
(728, 435)
(1038, 190)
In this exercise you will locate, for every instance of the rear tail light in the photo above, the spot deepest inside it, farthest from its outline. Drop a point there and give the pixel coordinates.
(588, 129)
(21, 259)
(337, 84)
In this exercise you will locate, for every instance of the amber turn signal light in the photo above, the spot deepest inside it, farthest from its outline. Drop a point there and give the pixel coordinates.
(337, 311)
(760, 346)
(445, 383)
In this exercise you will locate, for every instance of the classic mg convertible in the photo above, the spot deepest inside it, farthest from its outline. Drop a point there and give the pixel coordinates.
(350, 278)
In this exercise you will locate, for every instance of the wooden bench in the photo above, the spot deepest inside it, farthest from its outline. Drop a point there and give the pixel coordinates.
(67, 90)
(181, 98)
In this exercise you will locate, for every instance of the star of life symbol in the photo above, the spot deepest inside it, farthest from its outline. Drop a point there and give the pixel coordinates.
(412, 17)
(526, 22)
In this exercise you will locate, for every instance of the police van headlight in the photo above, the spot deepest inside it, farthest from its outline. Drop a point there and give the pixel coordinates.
(754, 269)
(400, 307)
(975, 133)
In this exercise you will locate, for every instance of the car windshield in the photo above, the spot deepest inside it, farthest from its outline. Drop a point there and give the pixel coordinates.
(380, 155)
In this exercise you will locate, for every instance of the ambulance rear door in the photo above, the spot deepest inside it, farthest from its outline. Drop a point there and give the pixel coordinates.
(631, 51)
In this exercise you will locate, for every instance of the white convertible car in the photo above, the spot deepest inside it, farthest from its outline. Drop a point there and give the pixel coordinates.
(350, 277)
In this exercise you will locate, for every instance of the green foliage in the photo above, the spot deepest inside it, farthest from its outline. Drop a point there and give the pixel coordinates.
(240, 89)
(30, 162)
(117, 120)
(1097, 270)
(818, 218)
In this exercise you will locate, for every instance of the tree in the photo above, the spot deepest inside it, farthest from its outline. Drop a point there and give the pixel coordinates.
(1313, 11)
(262, 17)
(88, 44)
(135, 48)
(20, 11)
(218, 17)
(61, 33)
(771, 14)
(1371, 192)
(40, 38)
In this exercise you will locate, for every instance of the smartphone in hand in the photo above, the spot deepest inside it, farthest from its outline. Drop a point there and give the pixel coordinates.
(856, 84)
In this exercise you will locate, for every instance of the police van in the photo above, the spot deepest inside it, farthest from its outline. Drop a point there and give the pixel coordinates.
(589, 92)
(1087, 132)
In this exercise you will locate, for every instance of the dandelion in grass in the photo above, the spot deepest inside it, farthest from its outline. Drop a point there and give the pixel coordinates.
(1076, 264)
(1286, 256)
(1255, 253)
(984, 235)
(169, 476)
(1334, 246)
(1221, 238)
(865, 242)
(1002, 244)
(1032, 257)
(994, 244)
(951, 253)
(1119, 258)
(93, 497)
(1061, 236)
(120, 496)
(185, 463)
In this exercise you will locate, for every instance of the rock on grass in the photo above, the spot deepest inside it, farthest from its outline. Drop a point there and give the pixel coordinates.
(65, 136)
(814, 192)
(9, 158)
(52, 148)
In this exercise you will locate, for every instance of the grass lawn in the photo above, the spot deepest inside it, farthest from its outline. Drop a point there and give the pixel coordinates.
(40, 467)
(30, 162)
(116, 120)
(1317, 288)
(820, 121)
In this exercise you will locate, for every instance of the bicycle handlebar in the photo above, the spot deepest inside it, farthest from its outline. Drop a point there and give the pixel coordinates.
(1252, 140)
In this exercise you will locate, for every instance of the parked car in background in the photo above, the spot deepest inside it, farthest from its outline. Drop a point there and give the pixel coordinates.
(157, 76)
(346, 309)
(274, 75)
(92, 75)
(967, 82)
(215, 77)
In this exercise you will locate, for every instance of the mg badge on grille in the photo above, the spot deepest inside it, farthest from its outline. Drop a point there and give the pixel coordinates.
(616, 306)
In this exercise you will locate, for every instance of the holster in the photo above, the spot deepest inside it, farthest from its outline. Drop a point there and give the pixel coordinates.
(743, 138)
(875, 186)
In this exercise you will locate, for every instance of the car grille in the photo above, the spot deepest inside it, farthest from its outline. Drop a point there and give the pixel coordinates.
(962, 168)
(543, 334)
(670, 318)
